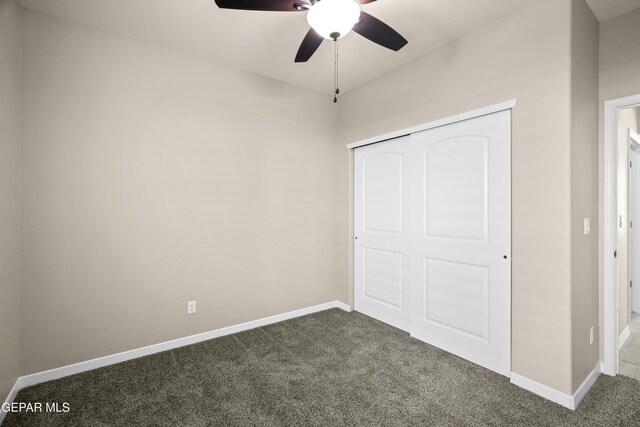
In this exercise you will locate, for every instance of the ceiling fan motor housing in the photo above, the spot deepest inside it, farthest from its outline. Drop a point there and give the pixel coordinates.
(333, 17)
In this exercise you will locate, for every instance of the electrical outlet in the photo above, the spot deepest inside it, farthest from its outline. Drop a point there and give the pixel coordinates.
(191, 307)
(591, 335)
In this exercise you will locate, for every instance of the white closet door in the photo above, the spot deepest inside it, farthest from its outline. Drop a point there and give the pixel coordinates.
(380, 249)
(460, 245)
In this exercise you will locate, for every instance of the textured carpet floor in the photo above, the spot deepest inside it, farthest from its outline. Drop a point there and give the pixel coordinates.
(327, 369)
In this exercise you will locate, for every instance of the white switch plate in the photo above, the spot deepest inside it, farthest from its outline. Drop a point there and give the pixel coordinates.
(191, 307)
(587, 225)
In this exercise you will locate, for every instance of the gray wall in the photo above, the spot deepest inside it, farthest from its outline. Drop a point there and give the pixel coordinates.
(9, 195)
(525, 55)
(151, 178)
(584, 190)
(620, 56)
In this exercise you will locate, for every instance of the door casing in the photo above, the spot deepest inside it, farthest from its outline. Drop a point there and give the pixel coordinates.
(609, 227)
(458, 118)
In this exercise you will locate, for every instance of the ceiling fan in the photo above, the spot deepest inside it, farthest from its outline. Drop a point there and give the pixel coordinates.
(329, 19)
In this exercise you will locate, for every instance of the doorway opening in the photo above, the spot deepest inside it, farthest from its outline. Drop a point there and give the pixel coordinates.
(628, 243)
(619, 193)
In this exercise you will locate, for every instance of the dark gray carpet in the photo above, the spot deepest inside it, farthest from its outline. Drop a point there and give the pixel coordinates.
(326, 369)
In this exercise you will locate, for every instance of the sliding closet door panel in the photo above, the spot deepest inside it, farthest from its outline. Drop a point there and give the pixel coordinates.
(380, 223)
(461, 244)
(456, 296)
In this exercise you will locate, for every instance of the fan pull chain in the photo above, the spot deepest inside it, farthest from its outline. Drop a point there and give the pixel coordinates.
(335, 49)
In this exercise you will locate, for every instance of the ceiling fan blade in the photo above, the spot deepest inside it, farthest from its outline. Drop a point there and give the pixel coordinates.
(309, 45)
(365, 1)
(269, 5)
(379, 32)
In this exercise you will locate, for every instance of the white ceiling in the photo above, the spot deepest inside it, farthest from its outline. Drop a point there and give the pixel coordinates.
(266, 42)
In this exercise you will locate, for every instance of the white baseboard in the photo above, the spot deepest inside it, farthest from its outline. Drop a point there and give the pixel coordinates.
(542, 390)
(12, 395)
(64, 371)
(586, 385)
(623, 337)
(566, 400)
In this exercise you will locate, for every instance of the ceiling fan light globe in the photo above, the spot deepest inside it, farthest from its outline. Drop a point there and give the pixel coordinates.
(333, 16)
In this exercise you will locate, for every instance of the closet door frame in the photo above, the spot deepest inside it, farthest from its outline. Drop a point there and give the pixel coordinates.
(507, 105)
(490, 109)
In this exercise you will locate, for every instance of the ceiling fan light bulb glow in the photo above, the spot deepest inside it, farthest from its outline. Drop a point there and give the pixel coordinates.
(333, 16)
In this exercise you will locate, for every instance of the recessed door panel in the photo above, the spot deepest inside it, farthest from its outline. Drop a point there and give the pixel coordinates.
(456, 296)
(456, 193)
(383, 182)
(382, 272)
